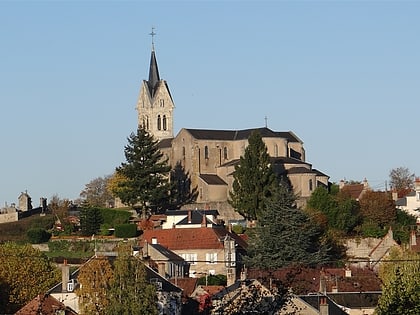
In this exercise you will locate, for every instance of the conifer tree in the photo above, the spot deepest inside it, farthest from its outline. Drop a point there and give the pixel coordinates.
(90, 221)
(130, 293)
(145, 173)
(254, 179)
(284, 235)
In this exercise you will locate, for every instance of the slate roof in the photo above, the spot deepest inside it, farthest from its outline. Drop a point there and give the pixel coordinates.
(167, 253)
(313, 300)
(165, 143)
(185, 212)
(192, 238)
(231, 135)
(212, 179)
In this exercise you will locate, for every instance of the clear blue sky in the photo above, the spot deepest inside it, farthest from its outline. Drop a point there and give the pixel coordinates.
(344, 76)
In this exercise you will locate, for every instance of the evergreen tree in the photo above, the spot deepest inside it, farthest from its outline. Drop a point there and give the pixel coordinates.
(254, 179)
(90, 221)
(284, 235)
(146, 173)
(130, 293)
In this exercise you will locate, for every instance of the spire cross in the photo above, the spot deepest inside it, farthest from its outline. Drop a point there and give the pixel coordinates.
(153, 35)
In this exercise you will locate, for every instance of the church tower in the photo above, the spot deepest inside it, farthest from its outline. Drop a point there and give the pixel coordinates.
(155, 105)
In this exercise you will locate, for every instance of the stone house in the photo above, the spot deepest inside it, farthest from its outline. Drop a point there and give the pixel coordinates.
(207, 250)
(411, 202)
(209, 157)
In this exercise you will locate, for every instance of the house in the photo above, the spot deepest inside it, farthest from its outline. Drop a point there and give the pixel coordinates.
(45, 304)
(411, 202)
(207, 250)
(208, 157)
(168, 294)
(369, 252)
(190, 218)
(355, 191)
(167, 263)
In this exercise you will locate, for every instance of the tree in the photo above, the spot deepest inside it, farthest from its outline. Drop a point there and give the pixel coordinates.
(401, 284)
(253, 179)
(284, 235)
(94, 278)
(129, 292)
(378, 208)
(90, 221)
(146, 173)
(182, 193)
(25, 272)
(401, 180)
(96, 193)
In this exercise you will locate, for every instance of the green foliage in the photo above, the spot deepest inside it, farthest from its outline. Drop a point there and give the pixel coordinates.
(401, 285)
(105, 229)
(16, 231)
(213, 280)
(90, 221)
(38, 235)
(284, 235)
(146, 173)
(378, 208)
(129, 292)
(371, 229)
(126, 230)
(25, 272)
(341, 211)
(253, 179)
(114, 216)
(238, 229)
(182, 193)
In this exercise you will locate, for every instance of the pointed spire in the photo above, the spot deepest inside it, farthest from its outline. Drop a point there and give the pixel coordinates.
(153, 70)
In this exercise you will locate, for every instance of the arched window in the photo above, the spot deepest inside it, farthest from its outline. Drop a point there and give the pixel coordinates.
(310, 185)
(159, 127)
(206, 152)
(164, 122)
(147, 123)
(225, 155)
(276, 150)
(183, 152)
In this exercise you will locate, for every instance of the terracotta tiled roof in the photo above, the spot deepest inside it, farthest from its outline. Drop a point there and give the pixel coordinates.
(192, 238)
(187, 285)
(353, 190)
(44, 304)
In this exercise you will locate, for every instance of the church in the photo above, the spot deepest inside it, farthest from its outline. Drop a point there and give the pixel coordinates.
(209, 156)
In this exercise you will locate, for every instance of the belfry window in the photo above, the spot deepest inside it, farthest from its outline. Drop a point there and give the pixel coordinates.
(164, 122)
(159, 123)
(206, 152)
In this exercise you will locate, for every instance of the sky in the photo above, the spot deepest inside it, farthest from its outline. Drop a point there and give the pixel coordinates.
(343, 76)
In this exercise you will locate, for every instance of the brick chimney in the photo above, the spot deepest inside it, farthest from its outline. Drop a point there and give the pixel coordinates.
(204, 221)
(189, 216)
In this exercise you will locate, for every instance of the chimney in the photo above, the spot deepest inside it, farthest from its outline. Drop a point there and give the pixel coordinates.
(189, 216)
(154, 240)
(323, 306)
(322, 282)
(204, 221)
(65, 275)
(413, 238)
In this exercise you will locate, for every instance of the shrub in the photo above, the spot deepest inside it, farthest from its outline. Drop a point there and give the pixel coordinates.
(126, 230)
(38, 235)
(238, 229)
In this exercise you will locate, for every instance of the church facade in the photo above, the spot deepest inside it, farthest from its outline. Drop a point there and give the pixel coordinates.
(209, 157)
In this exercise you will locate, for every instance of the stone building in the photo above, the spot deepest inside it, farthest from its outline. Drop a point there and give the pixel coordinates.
(208, 157)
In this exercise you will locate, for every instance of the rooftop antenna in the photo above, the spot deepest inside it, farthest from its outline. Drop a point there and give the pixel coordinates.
(265, 118)
(153, 35)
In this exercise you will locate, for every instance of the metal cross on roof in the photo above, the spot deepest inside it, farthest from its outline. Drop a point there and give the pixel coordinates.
(153, 35)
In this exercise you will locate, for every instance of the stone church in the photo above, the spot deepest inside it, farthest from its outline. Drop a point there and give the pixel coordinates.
(209, 156)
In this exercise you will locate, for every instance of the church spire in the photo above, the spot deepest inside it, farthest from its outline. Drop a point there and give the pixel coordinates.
(154, 77)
